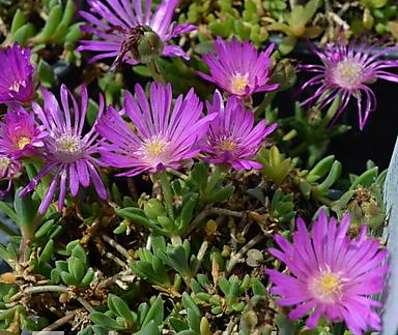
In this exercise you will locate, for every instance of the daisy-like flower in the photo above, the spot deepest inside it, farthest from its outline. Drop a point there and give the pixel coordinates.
(233, 137)
(346, 71)
(130, 33)
(162, 134)
(19, 134)
(330, 275)
(9, 169)
(238, 68)
(16, 72)
(69, 154)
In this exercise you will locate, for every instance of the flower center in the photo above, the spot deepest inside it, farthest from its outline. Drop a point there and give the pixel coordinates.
(227, 145)
(155, 150)
(23, 141)
(68, 147)
(327, 287)
(239, 82)
(348, 74)
(16, 85)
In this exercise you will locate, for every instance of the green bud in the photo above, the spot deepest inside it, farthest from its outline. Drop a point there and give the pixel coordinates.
(149, 47)
(205, 327)
(284, 74)
(153, 208)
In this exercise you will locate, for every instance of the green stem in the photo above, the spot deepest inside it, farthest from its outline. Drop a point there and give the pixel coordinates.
(331, 112)
(50, 288)
(155, 71)
(167, 193)
(268, 98)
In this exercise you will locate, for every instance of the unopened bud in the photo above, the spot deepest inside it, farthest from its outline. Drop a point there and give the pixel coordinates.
(150, 46)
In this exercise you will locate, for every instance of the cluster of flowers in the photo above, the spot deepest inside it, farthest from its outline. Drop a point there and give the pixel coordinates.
(331, 276)
(345, 72)
(147, 135)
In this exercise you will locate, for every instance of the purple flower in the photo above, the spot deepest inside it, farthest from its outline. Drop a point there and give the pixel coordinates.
(9, 169)
(331, 275)
(162, 134)
(16, 73)
(70, 155)
(20, 136)
(232, 137)
(120, 24)
(345, 73)
(238, 68)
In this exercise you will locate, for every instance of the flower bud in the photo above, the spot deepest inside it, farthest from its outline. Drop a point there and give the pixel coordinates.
(149, 47)
(153, 208)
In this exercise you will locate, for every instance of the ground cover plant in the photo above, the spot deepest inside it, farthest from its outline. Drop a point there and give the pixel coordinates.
(166, 167)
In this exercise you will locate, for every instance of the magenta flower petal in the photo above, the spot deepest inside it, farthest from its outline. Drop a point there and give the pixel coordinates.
(346, 71)
(9, 169)
(330, 275)
(162, 133)
(115, 22)
(70, 155)
(19, 134)
(238, 68)
(232, 137)
(16, 72)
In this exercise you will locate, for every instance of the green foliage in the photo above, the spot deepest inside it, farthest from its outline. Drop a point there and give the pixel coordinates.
(275, 166)
(317, 182)
(154, 265)
(296, 25)
(309, 132)
(364, 198)
(276, 8)
(226, 20)
(230, 294)
(58, 28)
(147, 320)
(75, 271)
(201, 188)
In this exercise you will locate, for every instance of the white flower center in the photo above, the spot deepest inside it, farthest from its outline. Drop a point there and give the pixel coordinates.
(16, 85)
(239, 82)
(327, 287)
(348, 74)
(155, 150)
(68, 148)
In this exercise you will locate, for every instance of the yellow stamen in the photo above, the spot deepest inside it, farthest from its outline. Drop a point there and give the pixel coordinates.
(155, 148)
(239, 83)
(23, 141)
(327, 287)
(227, 145)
